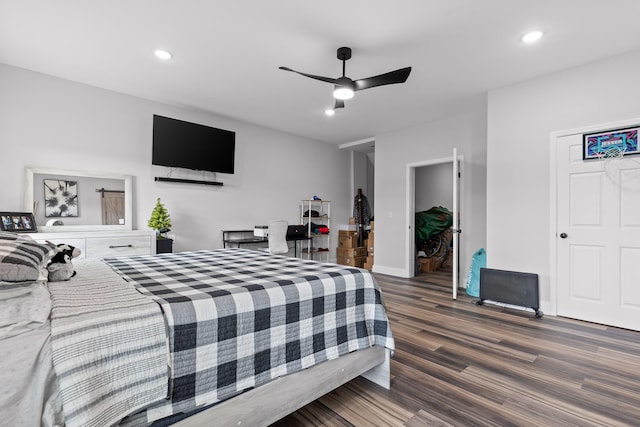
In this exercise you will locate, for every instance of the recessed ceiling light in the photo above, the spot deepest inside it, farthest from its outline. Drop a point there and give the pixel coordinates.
(329, 112)
(532, 36)
(162, 54)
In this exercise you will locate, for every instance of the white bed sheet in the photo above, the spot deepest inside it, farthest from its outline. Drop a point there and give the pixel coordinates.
(29, 395)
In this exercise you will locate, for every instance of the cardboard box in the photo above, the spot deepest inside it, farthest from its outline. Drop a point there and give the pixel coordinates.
(351, 252)
(370, 243)
(368, 264)
(347, 241)
(353, 262)
(428, 265)
(352, 220)
(425, 264)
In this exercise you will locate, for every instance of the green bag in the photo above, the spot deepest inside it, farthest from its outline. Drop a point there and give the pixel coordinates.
(432, 222)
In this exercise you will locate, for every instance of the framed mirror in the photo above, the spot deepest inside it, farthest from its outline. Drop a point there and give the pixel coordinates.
(69, 200)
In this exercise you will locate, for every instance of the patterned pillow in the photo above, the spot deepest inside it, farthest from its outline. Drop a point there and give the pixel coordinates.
(22, 259)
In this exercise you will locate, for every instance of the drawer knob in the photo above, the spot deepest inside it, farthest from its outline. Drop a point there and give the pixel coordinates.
(120, 246)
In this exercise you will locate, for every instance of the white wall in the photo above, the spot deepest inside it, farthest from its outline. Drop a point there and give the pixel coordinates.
(430, 141)
(54, 123)
(360, 173)
(371, 180)
(434, 186)
(520, 120)
(363, 176)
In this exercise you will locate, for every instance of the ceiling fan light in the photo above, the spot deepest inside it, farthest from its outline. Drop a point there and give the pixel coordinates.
(342, 92)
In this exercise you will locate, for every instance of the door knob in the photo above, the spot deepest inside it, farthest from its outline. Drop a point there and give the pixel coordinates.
(563, 235)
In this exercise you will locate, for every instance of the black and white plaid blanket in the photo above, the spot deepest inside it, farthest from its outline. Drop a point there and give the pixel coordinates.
(239, 318)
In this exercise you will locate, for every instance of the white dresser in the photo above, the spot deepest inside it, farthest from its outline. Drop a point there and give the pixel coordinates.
(102, 244)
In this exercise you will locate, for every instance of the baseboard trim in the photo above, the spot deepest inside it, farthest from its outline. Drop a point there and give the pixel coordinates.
(391, 271)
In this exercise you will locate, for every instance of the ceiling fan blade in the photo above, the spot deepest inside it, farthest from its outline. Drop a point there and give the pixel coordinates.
(311, 76)
(339, 104)
(392, 77)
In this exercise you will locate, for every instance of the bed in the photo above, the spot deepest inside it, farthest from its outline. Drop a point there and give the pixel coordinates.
(231, 335)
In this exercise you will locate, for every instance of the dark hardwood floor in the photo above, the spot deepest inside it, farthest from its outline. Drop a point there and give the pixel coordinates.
(458, 364)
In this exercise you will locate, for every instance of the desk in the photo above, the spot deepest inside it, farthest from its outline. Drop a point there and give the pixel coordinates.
(243, 239)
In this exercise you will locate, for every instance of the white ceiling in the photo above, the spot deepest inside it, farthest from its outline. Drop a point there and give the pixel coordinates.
(227, 52)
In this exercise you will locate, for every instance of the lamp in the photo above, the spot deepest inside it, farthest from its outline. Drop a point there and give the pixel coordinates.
(342, 92)
(344, 88)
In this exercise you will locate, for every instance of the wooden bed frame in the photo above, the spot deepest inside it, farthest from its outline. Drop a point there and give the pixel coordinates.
(268, 403)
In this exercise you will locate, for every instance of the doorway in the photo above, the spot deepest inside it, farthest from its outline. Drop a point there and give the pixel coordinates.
(451, 169)
(433, 199)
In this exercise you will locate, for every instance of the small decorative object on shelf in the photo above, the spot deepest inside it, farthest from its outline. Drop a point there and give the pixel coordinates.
(161, 221)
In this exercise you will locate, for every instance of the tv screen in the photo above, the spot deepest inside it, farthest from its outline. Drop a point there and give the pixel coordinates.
(181, 144)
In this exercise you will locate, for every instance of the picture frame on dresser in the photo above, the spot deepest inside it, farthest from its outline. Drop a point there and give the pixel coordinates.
(19, 222)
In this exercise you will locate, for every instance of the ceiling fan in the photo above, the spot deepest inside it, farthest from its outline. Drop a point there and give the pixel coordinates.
(345, 87)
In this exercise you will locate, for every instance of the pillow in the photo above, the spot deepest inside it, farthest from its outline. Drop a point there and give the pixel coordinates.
(22, 259)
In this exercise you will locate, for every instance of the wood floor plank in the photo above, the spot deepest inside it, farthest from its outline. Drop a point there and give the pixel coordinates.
(423, 418)
(358, 405)
(460, 364)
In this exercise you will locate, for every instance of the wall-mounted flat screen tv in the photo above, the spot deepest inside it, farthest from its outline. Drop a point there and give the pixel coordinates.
(181, 144)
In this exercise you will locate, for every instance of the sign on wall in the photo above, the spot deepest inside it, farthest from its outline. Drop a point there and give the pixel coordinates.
(601, 144)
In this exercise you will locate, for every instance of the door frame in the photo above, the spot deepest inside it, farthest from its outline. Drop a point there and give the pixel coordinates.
(553, 200)
(409, 269)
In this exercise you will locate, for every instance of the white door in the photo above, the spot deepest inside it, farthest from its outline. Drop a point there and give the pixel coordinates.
(455, 226)
(597, 237)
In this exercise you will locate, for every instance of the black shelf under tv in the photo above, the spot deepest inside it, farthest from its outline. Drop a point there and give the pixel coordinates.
(187, 181)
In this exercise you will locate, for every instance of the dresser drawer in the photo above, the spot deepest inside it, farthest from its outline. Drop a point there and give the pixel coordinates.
(104, 247)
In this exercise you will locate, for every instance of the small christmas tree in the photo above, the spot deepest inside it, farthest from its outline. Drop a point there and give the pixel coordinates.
(160, 220)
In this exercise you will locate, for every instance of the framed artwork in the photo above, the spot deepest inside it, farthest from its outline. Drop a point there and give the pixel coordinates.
(20, 222)
(601, 144)
(60, 198)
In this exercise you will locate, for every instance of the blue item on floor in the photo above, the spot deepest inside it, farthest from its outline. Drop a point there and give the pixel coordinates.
(478, 261)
